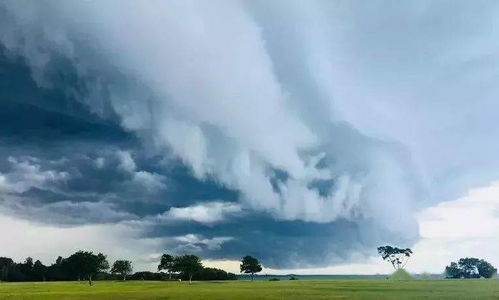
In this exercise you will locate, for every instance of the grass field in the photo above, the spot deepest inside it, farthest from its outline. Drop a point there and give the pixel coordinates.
(301, 289)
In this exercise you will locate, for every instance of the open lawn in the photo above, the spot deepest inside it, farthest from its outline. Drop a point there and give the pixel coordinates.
(301, 289)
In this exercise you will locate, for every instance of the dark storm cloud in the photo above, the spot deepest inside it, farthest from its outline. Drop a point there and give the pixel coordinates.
(98, 185)
(301, 132)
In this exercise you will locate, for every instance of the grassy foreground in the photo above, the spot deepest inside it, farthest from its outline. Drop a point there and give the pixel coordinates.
(301, 289)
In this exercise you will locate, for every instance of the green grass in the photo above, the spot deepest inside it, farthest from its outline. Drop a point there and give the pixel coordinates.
(300, 289)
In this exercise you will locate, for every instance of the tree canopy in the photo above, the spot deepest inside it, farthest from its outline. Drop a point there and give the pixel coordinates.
(167, 263)
(74, 268)
(122, 267)
(470, 267)
(398, 257)
(87, 264)
(187, 264)
(250, 265)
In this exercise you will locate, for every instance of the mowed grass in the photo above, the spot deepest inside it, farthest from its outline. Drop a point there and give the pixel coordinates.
(301, 289)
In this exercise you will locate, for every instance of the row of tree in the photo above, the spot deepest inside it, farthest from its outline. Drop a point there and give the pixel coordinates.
(85, 265)
(80, 265)
(189, 266)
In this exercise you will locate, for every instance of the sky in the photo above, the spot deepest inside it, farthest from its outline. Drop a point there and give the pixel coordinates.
(304, 133)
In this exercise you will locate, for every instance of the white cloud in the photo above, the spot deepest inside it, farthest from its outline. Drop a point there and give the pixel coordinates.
(196, 243)
(126, 161)
(207, 213)
(152, 182)
(25, 174)
(466, 227)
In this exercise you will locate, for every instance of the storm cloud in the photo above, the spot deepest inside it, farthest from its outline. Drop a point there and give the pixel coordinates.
(306, 133)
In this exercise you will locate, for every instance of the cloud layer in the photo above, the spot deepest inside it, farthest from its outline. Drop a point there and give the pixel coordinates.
(305, 133)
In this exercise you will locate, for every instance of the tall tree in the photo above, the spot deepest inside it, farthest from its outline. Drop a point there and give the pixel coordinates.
(122, 267)
(167, 263)
(39, 271)
(398, 257)
(187, 264)
(250, 265)
(87, 264)
(5, 265)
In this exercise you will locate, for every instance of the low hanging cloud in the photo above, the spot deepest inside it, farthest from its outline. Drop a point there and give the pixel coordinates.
(207, 213)
(286, 125)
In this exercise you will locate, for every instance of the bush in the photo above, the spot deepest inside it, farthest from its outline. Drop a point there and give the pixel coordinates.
(293, 278)
(210, 274)
(148, 276)
(274, 279)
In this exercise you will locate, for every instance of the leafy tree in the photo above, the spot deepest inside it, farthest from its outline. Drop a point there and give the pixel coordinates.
(167, 263)
(485, 269)
(5, 265)
(187, 265)
(122, 267)
(453, 271)
(87, 264)
(39, 271)
(470, 267)
(26, 269)
(250, 265)
(396, 256)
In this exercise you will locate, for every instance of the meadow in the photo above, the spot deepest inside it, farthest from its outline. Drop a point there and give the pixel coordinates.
(300, 289)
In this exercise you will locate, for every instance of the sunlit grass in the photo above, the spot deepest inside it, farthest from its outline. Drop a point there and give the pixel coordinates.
(300, 289)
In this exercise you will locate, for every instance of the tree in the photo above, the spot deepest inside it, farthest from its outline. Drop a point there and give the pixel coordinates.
(5, 265)
(39, 271)
(87, 264)
(187, 264)
(250, 265)
(122, 267)
(396, 256)
(470, 267)
(485, 269)
(167, 263)
(26, 269)
(453, 271)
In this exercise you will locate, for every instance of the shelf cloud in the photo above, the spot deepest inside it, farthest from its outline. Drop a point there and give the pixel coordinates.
(303, 132)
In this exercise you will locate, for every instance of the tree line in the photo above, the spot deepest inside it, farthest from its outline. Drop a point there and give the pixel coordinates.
(189, 266)
(86, 265)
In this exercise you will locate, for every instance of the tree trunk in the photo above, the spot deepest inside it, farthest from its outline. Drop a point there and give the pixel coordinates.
(170, 274)
(252, 275)
(124, 277)
(190, 278)
(90, 280)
